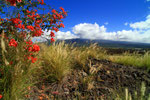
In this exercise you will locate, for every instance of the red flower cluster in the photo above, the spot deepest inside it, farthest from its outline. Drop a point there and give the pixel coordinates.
(63, 10)
(31, 28)
(36, 29)
(52, 39)
(52, 34)
(30, 47)
(62, 25)
(1, 96)
(13, 2)
(17, 22)
(35, 48)
(56, 29)
(33, 59)
(41, 2)
(12, 42)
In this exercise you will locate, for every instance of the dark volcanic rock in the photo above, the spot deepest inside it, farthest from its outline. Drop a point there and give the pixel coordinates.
(90, 86)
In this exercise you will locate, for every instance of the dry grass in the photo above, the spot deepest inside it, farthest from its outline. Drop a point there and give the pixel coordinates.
(54, 63)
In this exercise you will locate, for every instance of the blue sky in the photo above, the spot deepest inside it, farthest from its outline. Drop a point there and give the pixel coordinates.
(106, 19)
(114, 12)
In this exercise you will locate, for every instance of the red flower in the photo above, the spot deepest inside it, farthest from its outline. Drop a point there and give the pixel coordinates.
(12, 2)
(28, 11)
(56, 29)
(54, 11)
(1, 96)
(37, 32)
(54, 16)
(62, 9)
(29, 42)
(10, 62)
(16, 20)
(58, 15)
(52, 40)
(23, 27)
(61, 17)
(52, 34)
(35, 10)
(33, 60)
(65, 13)
(13, 43)
(30, 27)
(36, 48)
(30, 49)
(18, 26)
(42, 2)
(62, 25)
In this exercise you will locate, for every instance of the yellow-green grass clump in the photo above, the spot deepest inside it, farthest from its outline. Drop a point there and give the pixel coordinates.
(132, 59)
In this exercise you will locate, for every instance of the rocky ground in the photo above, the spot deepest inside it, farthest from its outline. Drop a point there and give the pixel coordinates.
(101, 79)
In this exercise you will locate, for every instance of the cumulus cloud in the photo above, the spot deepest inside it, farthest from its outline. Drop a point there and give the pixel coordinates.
(65, 35)
(94, 31)
(139, 32)
(142, 24)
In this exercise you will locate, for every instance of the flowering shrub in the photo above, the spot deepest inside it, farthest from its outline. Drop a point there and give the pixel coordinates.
(28, 23)
(17, 31)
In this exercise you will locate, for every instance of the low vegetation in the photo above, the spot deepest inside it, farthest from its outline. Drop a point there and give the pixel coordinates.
(57, 61)
(133, 59)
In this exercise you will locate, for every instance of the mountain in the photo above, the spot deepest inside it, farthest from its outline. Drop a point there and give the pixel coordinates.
(109, 43)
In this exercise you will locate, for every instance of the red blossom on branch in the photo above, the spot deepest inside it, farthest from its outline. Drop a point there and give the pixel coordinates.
(36, 48)
(13, 43)
(52, 34)
(1, 96)
(52, 40)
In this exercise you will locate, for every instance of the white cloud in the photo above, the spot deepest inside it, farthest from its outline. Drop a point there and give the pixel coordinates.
(94, 31)
(60, 35)
(142, 24)
(65, 35)
(139, 32)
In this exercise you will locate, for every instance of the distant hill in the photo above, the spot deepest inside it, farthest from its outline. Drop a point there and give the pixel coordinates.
(108, 43)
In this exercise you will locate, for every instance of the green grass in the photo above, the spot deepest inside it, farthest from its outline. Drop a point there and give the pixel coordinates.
(132, 59)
